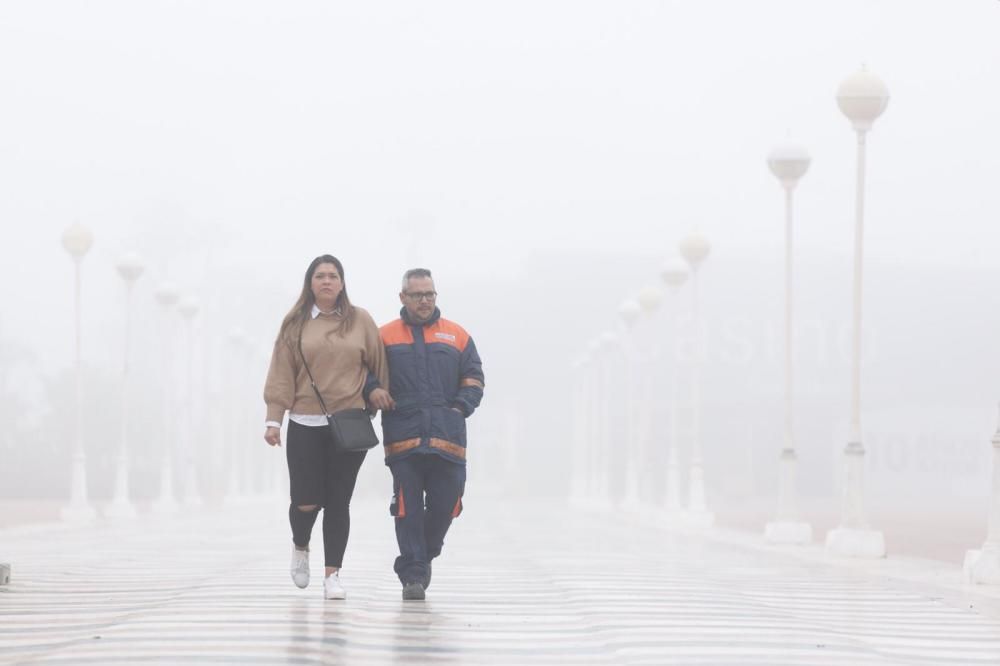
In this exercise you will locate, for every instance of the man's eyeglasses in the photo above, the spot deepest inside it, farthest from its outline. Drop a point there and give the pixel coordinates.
(421, 295)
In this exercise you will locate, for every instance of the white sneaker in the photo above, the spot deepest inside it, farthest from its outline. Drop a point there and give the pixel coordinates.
(332, 587)
(300, 567)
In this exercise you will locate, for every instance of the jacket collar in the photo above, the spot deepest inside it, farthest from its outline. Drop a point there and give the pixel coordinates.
(405, 316)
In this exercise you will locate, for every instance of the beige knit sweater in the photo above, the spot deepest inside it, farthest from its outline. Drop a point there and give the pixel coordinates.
(339, 365)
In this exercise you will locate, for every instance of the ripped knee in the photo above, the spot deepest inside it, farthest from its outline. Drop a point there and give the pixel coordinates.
(306, 508)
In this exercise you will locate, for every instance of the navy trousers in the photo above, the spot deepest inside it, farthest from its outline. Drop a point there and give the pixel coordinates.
(427, 495)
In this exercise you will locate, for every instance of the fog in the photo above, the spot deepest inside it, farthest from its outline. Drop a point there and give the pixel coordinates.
(543, 159)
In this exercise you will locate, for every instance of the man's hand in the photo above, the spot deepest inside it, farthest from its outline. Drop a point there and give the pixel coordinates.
(380, 399)
(272, 436)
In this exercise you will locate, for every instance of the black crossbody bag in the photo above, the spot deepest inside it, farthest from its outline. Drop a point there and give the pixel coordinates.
(350, 429)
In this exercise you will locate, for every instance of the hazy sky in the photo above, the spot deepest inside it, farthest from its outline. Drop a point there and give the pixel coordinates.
(252, 136)
(543, 158)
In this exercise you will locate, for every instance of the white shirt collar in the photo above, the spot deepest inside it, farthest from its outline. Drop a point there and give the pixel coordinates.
(317, 312)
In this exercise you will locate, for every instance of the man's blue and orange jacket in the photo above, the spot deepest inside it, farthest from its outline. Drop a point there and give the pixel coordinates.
(434, 370)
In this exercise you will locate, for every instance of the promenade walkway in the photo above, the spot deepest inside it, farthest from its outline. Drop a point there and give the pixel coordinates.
(523, 583)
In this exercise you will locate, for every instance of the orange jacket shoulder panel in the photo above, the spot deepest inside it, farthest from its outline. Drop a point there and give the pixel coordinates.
(396, 333)
(447, 332)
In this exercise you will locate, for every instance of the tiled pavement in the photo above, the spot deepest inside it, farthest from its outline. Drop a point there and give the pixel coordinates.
(518, 584)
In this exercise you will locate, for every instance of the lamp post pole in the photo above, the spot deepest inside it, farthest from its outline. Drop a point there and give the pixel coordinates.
(189, 490)
(605, 393)
(862, 97)
(695, 249)
(239, 342)
(592, 403)
(674, 275)
(788, 163)
(77, 240)
(166, 296)
(578, 442)
(130, 268)
(647, 359)
(629, 312)
(983, 566)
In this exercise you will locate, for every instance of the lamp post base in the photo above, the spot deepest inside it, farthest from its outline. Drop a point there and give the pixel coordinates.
(120, 508)
(590, 504)
(982, 566)
(632, 504)
(669, 516)
(188, 502)
(78, 513)
(853, 542)
(190, 497)
(166, 506)
(630, 501)
(699, 518)
(788, 532)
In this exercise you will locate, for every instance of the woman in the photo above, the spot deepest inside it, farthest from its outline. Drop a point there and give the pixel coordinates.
(341, 345)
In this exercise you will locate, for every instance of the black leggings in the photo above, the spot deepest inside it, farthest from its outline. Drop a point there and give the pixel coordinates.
(320, 476)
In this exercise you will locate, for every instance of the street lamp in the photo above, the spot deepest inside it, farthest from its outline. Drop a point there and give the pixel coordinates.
(694, 249)
(578, 452)
(629, 312)
(862, 97)
(77, 240)
(238, 342)
(983, 566)
(674, 275)
(649, 298)
(188, 309)
(647, 357)
(166, 296)
(788, 162)
(605, 392)
(129, 267)
(592, 405)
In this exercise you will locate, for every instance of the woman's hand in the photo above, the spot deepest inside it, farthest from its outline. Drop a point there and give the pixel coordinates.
(273, 436)
(380, 399)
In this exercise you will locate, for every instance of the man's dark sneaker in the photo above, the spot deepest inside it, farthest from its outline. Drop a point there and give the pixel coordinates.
(413, 592)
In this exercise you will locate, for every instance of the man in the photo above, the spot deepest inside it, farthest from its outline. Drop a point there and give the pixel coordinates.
(437, 382)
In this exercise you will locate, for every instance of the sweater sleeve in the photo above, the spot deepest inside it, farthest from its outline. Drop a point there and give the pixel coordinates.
(279, 388)
(378, 368)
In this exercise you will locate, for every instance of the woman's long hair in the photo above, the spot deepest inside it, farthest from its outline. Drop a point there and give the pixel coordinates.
(291, 326)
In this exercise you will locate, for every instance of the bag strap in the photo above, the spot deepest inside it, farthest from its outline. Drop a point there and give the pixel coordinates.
(311, 381)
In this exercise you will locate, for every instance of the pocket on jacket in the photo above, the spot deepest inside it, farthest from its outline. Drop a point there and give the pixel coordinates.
(399, 424)
(449, 424)
(403, 371)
